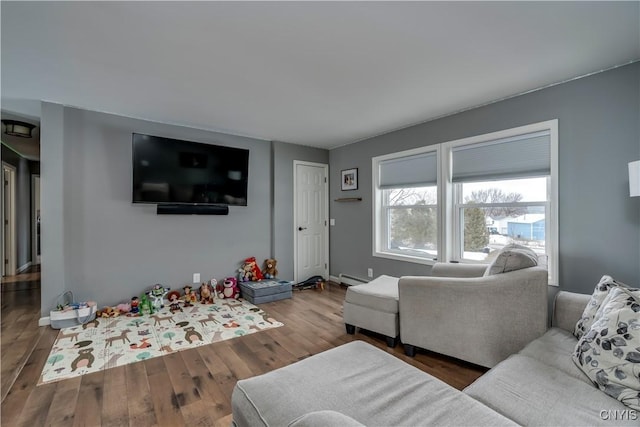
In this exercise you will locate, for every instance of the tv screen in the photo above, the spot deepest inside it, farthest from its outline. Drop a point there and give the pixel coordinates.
(168, 170)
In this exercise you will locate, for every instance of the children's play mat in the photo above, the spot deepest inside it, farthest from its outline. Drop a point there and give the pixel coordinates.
(109, 342)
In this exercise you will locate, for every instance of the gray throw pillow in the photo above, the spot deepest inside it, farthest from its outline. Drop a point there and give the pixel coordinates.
(598, 297)
(512, 257)
(609, 353)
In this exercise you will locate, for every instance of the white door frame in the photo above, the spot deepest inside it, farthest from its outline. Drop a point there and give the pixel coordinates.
(325, 167)
(35, 203)
(9, 268)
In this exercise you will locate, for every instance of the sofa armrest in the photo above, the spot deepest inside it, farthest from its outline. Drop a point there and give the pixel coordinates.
(444, 269)
(482, 320)
(568, 308)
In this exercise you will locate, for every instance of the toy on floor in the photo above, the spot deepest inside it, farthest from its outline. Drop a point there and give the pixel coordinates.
(108, 312)
(206, 292)
(124, 308)
(145, 305)
(270, 271)
(314, 282)
(250, 271)
(135, 305)
(189, 296)
(230, 289)
(156, 294)
(174, 301)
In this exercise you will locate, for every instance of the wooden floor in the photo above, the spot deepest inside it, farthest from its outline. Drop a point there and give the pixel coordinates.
(191, 387)
(20, 312)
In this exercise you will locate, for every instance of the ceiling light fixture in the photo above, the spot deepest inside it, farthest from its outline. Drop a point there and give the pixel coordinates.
(18, 128)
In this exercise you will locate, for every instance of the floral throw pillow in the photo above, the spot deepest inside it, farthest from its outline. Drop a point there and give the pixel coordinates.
(609, 353)
(599, 294)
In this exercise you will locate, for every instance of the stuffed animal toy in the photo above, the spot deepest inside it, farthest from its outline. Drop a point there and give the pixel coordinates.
(156, 295)
(206, 293)
(230, 288)
(174, 301)
(189, 296)
(250, 271)
(270, 271)
(245, 273)
(108, 312)
(124, 307)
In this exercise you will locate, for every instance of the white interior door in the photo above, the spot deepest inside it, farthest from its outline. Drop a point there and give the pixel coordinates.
(8, 220)
(311, 216)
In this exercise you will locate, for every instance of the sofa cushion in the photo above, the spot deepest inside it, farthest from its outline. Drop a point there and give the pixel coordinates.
(379, 294)
(595, 302)
(555, 349)
(535, 394)
(609, 353)
(361, 382)
(512, 257)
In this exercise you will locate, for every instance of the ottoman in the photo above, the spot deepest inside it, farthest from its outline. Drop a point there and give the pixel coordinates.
(354, 384)
(265, 290)
(373, 306)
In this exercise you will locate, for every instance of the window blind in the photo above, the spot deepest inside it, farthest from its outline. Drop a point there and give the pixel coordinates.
(514, 157)
(419, 170)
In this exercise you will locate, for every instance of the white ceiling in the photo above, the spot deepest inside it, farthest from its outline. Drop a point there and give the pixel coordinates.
(315, 73)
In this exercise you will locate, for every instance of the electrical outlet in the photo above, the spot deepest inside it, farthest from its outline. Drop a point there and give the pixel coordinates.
(196, 277)
(370, 272)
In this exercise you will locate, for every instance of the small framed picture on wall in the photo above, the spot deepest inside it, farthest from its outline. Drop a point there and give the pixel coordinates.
(349, 179)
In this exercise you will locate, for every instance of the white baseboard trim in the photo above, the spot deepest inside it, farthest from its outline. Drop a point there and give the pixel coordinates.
(23, 268)
(334, 279)
(44, 321)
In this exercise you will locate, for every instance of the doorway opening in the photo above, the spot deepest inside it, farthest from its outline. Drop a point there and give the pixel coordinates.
(8, 220)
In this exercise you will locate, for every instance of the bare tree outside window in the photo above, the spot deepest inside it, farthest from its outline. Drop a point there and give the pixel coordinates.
(497, 195)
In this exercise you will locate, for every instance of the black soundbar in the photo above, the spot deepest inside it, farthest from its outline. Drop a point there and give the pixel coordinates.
(192, 210)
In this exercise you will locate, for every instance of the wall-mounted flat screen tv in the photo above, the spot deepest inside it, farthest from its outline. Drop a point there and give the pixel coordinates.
(172, 171)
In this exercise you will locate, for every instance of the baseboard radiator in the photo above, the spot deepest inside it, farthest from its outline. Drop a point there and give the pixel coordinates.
(351, 280)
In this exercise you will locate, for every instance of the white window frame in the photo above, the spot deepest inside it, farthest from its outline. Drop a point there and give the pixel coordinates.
(447, 246)
(380, 218)
(459, 206)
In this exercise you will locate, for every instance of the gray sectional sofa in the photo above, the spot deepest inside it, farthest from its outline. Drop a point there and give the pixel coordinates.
(358, 384)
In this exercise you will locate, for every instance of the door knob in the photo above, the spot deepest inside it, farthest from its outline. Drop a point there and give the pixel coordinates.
(302, 228)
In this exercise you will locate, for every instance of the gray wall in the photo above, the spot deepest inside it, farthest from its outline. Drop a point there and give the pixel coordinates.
(114, 249)
(52, 205)
(283, 227)
(23, 203)
(599, 133)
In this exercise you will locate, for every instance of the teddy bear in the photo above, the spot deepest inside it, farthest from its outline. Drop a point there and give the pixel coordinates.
(270, 271)
(230, 288)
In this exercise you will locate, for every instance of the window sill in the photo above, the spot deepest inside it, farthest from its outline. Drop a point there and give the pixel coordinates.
(406, 258)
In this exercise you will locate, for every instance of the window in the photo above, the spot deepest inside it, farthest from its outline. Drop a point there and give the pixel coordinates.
(411, 220)
(492, 214)
(407, 208)
(464, 200)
